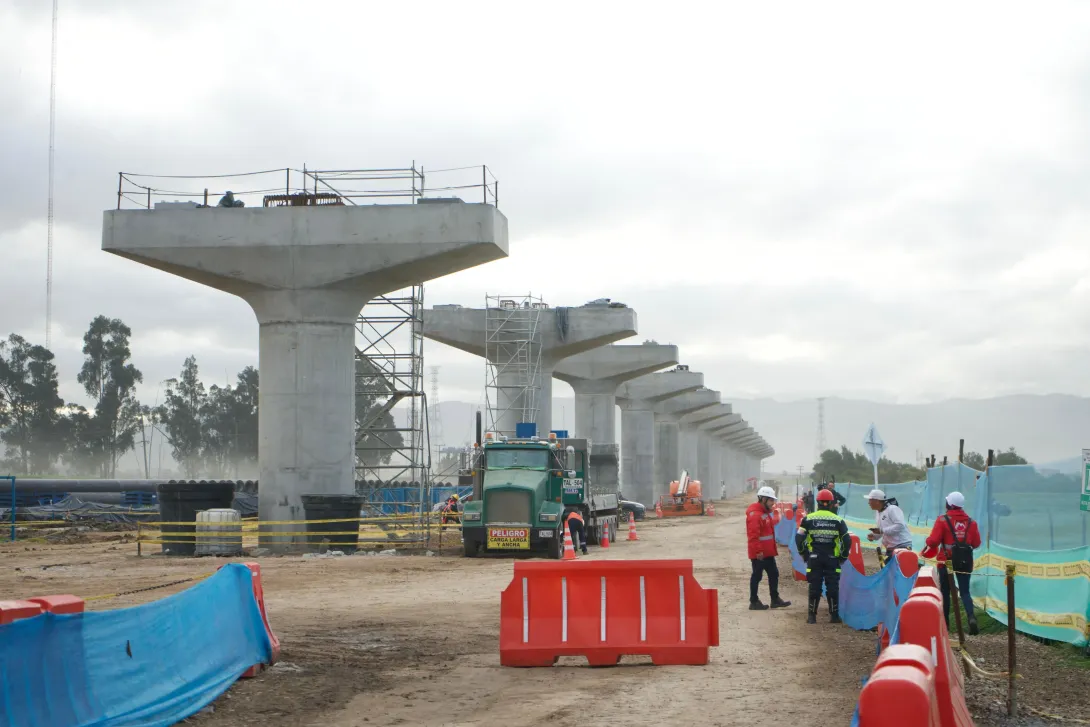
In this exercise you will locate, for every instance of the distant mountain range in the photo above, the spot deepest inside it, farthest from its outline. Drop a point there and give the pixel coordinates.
(1047, 430)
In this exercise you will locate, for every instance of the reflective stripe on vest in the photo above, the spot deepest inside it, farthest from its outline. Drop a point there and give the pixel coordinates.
(765, 537)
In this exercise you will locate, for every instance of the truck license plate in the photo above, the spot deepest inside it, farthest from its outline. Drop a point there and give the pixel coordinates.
(509, 538)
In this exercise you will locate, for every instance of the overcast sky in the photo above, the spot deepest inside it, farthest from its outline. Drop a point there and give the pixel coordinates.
(809, 199)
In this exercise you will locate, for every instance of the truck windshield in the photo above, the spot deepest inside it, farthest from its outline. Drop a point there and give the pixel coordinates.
(520, 477)
(528, 459)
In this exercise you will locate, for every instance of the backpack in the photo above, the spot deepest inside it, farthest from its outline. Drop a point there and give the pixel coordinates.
(961, 553)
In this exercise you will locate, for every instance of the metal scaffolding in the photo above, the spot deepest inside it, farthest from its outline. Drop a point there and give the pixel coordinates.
(512, 351)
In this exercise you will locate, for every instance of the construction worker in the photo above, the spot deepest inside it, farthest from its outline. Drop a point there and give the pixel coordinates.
(808, 500)
(823, 542)
(450, 510)
(761, 541)
(953, 538)
(892, 528)
(837, 497)
(574, 520)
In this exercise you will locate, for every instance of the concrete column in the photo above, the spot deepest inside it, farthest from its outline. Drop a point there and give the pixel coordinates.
(307, 272)
(578, 330)
(714, 476)
(638, 400)
(667, 451)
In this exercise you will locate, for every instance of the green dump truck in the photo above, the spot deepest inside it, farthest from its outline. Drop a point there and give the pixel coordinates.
(524, 487)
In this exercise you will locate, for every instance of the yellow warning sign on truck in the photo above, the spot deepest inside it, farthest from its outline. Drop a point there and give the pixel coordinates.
(509, 538)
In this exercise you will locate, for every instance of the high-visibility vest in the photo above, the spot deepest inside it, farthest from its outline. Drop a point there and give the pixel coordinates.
(574, 514)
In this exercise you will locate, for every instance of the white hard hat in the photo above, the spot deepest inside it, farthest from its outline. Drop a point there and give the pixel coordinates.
(955, 499)
(875, 495)
(767, 492)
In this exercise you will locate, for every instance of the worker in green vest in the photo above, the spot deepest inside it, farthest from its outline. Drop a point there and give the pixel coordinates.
(823, 542)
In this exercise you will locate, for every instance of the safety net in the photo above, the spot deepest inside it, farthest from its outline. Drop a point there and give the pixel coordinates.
(1026, 518)
(146, 666)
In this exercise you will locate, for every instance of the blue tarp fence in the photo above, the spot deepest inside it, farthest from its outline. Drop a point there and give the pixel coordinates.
(146, 666)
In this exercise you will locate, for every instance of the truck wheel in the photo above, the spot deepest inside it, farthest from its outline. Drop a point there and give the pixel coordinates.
(471, 547)
(555, 547)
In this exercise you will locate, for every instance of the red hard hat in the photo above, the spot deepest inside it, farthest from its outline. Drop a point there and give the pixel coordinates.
(825, 496)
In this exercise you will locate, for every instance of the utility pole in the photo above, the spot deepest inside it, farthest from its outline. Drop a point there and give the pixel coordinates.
(820, 444)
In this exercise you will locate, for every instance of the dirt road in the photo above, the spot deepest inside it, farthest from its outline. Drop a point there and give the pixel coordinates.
(412, 640)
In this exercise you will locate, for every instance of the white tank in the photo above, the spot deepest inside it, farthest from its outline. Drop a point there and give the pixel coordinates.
(219, 532)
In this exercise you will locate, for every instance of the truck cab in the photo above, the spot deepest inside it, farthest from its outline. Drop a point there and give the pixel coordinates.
(525, 487)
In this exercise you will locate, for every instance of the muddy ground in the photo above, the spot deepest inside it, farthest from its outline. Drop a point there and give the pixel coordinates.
(412, 640)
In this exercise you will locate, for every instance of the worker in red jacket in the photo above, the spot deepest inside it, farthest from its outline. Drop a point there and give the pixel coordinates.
(762, 550)
(953, 538)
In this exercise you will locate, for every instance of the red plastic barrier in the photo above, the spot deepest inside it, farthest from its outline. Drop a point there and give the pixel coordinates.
(907, 561)
(259, 596)
(59, 604)
(901, 692)
(604, 609)
(921, 622)
(855, 555)
(15, 610)
(927, 577)
(776, 516)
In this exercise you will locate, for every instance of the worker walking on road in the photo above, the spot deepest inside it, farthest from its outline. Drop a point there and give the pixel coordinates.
(761, 542)
(891, 526)
(574, 520)
(953, 538)
(823, 542)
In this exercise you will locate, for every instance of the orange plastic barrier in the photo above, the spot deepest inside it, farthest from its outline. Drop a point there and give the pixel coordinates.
(921, 622)
(605, 609)
(855, 555)
(259, 596)
(901, 692)
(776, 516)
(59, 604)
(15, 610)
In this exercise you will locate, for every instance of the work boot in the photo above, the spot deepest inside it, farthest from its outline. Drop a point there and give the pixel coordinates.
(834, 612)
(757, 606)
(778, 602)
(811, 613)
(973, 628)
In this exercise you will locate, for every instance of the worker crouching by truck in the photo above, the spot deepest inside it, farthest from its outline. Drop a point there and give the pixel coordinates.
(823, 542)
(573, 519)
(761, 544)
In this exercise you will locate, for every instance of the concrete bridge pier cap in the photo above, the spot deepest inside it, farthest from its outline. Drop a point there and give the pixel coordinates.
(695, 442)
(306, 273)
(582, 329)
(638, 399)
(594, 377)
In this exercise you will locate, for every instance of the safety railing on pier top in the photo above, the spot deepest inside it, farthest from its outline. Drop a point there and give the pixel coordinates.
(305, 187)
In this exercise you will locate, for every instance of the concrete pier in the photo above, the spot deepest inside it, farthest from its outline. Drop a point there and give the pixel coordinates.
(306, 273)
(564, 332)
(668, 414)
(638, 400)
(595, 376)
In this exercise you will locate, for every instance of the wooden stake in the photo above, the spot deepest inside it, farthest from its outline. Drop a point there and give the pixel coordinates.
(955, 601)
(1012, 701)
(961, 450)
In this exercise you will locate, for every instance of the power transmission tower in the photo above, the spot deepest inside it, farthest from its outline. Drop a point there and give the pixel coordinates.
(820, 445)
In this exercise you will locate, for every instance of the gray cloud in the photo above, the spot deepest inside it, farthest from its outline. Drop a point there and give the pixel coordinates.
(878, 214)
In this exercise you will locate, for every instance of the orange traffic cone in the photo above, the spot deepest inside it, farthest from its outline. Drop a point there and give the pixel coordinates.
(569, 546)
(710, 510)
(632, 527)
(604, 542)
(658, 509)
